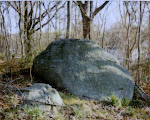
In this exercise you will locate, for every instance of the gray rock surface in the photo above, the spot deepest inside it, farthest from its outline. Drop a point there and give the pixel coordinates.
(40, 95)
(84, 69)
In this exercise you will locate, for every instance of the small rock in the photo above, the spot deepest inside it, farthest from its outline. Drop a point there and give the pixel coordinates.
(101, 115)
(54, 109)
(40, 95)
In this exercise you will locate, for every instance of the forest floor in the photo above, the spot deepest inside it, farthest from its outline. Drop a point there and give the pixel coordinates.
(75, 108)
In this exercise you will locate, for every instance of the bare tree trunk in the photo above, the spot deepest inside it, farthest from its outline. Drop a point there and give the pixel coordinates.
(40, 25)
(56, 35)
(86, 26)
(91, 11)
(149, 36)
(68, 19)
(103, 37)
(59, 24)
(139, 42)
(128, 15)
(76, 22)
(27, 36)
(7, 52)
(87, 19)
(128, 46)
(20, 31)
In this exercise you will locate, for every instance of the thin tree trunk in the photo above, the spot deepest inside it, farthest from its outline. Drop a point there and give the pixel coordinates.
(103, 37)
(6, 36)
(91, 11)
(75, 22)
(40, 25)
(149, 36)
(139, 42)
(128, 46)
(20, 32)
(56, 37)
(68, 19)
(128, 15)
(59, 24)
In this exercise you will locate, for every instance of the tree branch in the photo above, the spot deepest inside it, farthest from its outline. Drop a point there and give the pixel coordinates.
(34, 30)
(30, 16)
(99, 8)
(44, 14)
(14, 7)
(81, 7)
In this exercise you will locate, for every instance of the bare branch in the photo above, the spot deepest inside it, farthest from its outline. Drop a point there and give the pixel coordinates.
(44, 14)
(99, 8)
(30, 16)
(17, 10)
(34, 30)
(81, 7)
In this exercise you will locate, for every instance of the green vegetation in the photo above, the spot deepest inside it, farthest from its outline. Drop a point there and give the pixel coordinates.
(34, 112)
(125, 102)
(129, 112)
(114, 101)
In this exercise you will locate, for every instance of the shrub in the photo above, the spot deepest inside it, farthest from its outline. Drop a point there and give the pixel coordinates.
(114, 101)
(125, 102)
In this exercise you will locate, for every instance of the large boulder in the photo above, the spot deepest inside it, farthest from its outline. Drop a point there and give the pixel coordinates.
(84, 69)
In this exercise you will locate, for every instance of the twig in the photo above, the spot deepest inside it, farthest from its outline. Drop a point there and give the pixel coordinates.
(13, 89)
(43, 102)
(11, 82)
(31, 75)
